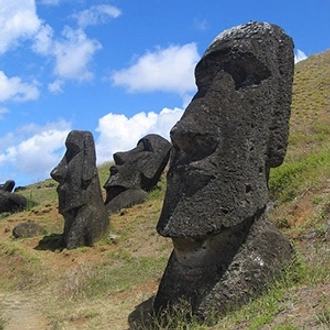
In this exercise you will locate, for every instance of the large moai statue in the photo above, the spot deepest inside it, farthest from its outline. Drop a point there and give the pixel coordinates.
(79, 192)
(234, 130)
(136, 172)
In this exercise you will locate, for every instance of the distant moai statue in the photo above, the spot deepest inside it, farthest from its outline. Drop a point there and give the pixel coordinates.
(79, 192)
(234, 130)
(9, 201)
(8, 186)
(136, 172)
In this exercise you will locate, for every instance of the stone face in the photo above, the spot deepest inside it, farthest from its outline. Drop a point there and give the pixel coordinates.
(28, 229)
(136, 172)
(234, 130)
(79, 192)
(10, 202)
(8, 186)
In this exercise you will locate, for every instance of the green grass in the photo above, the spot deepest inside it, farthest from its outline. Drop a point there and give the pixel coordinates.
(104, 172)
(3, 323)
(295, 176)
(133, 271)
(24, 268)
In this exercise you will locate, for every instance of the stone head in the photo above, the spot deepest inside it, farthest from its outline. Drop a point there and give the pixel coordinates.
(138, 168)
(75, 171)
(234, 130)
(8, 186)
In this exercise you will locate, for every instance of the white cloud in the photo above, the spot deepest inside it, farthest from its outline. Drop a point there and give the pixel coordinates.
(6, 141)
(56, 87)
(299, 56)
(18, 20)
(99, 14)
(37, 154)
(43, 40)
(169, 70)
(15, 89)
(73, 55)
(3, 111)
(49, 2)
(119, 133)
(201, 25)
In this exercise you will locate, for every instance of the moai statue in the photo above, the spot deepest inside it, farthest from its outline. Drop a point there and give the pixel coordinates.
(8, 186)
(9, 201)
(234, 130)
(136, 172)
(79, 192)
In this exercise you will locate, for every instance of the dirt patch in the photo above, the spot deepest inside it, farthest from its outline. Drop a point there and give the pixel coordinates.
(308, 308)
(22, 312)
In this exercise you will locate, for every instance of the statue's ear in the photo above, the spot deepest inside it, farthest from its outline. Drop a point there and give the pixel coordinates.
(89, 158)
(277, 143)
(279, 129)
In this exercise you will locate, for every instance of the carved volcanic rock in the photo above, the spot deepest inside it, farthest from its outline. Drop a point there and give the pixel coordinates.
(10, 202)
(79, 192)
(28, 229)
(234, 130)
(8, 186)
(136, 172)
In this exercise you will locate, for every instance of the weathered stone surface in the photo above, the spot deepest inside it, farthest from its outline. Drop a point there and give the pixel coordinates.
(233, 131)
(20, 188)
(136, 172)
(28, 229)
(8, 186)
(10, 202)
(79, 192)
(126, 199)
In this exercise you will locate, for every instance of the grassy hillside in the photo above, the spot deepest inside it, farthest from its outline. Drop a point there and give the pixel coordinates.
(100, 287)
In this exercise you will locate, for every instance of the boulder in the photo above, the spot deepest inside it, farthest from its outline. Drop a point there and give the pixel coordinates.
(28, 229)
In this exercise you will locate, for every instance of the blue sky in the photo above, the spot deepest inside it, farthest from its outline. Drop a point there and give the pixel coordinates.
(120, 69)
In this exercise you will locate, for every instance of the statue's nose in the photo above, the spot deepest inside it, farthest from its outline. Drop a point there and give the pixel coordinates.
(193, 141)
(120, 157)
(59, 173)
(182, 138)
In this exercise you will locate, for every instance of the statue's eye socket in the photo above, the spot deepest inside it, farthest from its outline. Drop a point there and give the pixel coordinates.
(247, 70)
(72, 150)
(244, 67)
(145, 145)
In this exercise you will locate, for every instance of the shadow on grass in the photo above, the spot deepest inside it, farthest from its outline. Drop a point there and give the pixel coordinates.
(51, 242)
(142, 317)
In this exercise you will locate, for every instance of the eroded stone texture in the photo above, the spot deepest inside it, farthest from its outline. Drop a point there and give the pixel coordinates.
(79, 192)
(28, 229)
(10, 202)
(233, 131)
(136, 172)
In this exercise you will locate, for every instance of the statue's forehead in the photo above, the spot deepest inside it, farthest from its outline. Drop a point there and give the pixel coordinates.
(77, 139)
(252, 30)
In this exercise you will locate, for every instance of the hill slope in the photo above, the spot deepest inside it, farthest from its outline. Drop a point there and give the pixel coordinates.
(99, 287)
